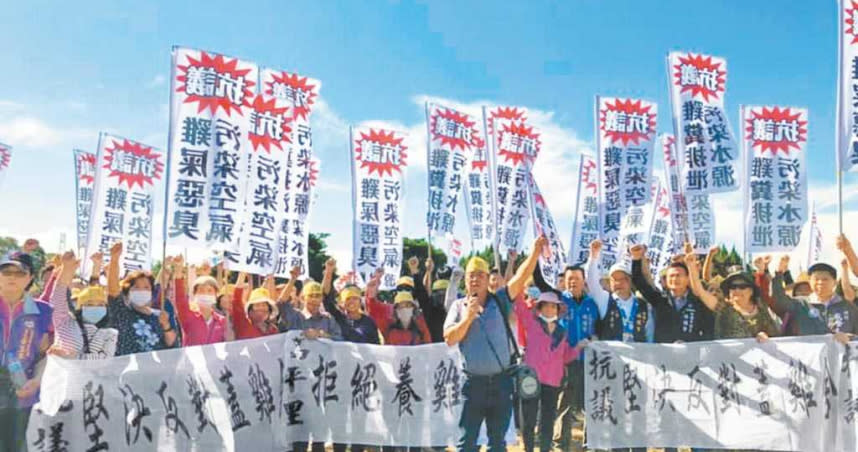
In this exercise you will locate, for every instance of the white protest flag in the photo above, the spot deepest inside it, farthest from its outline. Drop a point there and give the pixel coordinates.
(626, 131)
(210, 100)
(585, 228)
(84, 178)
(265, 203)
(635, 226)
(693, 219)
(453, 140)
(300, 167)
(515, 147)
(660, 243)
(775, 196)
(791, 394)
(378, 160)
(698, 84)
(814, 245)
(5, 159)
(128, 174)
(480, 199)
(847, 86)
(552, 261)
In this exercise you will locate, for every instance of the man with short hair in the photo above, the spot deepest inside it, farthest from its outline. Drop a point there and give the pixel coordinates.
(26, 332)
(680, 316)
(477, 324)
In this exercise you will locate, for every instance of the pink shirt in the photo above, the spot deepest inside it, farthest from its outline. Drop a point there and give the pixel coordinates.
(548, 362)
(194, 326)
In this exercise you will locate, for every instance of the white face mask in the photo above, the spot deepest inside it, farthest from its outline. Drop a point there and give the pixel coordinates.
(93, 314)
(548, 319)
(140, 298)
(405, 315)
(205, 300)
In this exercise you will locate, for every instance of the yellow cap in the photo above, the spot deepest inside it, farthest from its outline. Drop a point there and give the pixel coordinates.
(311, 288)
(261, 295)
(405, 281)
(349, 292)
(477, 264)
(75, 293)
(403, 297)
(227, 289)
(441, 284)
(90, 294)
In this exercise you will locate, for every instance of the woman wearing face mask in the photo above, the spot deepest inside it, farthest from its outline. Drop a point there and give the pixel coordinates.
(400, 323)
(82, 334)
(206, 326)
(548, 352)
(129, 306)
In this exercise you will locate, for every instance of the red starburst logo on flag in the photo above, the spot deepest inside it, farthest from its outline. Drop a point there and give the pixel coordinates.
(669, 145)
(295, 89)
(269, 124)
(504, 113)
(850, 14)
(454, 129)
(215, 82)
(627, 121)
(86, 168)
(132, 163)
(5, 157)
(700, 75)
(314, 171)
(517, 142)
(381, 151)
(589, 178)
(663, 205)
(776, 130)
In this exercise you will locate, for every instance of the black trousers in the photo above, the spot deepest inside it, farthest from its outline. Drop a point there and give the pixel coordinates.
(545, 408)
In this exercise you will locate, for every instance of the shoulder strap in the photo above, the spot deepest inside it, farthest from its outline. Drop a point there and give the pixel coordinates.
(83, 333)
(516, 355)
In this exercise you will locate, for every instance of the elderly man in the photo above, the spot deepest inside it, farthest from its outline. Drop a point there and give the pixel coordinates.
(477, 324)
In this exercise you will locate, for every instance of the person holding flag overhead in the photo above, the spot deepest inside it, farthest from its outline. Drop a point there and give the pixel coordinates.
(478, 325)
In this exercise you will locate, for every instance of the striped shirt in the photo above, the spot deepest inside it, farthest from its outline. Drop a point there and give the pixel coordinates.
(67, 336)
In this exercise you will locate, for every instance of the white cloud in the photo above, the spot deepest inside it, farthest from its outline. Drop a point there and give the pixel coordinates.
(29, 131)
(158, 80)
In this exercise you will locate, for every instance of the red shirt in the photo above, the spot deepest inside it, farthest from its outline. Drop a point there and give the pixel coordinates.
(383, 313)
(194, 326)
(241, 324)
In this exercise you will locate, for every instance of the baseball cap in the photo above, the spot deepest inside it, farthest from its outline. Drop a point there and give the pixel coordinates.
(19, 259)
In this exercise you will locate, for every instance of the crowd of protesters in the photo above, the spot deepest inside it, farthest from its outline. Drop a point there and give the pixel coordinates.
(476, 309)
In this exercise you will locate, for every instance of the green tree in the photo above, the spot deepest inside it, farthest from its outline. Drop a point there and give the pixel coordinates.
(317, 254)
(419, 248)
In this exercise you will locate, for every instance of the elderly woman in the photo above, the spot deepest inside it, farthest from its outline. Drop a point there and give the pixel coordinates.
(205, 325)
(83, 333)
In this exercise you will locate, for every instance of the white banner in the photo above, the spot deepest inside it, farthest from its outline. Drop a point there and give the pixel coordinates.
(269, 165)
(775, 196)
(128, 174)
(84, 178)
(5, 159)
(585, 228)
(701, 221)
(480, 193)
(789, 394)
(516, 146)
(698, 84)
(847, 86)
(301, 169)
(378, 160)
(260, 394)
(660, 243)
(673, 179)
(814, 244)
(553, 260)
(210, 100)
(626, 130)
(453, 138)
(636, 225)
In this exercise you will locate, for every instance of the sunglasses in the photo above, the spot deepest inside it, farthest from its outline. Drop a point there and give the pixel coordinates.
(740, 286)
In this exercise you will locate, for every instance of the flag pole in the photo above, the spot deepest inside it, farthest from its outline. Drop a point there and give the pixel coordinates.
(428, 183)
(490, 147)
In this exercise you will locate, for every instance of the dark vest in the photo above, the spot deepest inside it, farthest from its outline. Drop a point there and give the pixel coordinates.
(694, 322)
(610, 328)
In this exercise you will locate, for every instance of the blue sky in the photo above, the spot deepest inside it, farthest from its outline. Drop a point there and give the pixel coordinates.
(73, 69)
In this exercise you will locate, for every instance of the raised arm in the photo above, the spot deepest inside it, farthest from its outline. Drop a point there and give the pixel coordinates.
(429, 266)
(328, 276)
(845, 284)
(97, 260)
(711, 301)
(67, 332)
(782, 302)
(845, 247)
(763, 280)
(183, 309)
(113, 288)
(294, 273)
(639, 280)
(240, 323)
(516, 284)
(51, 282)
(709, 263)
(508, 274)
(594, 286)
